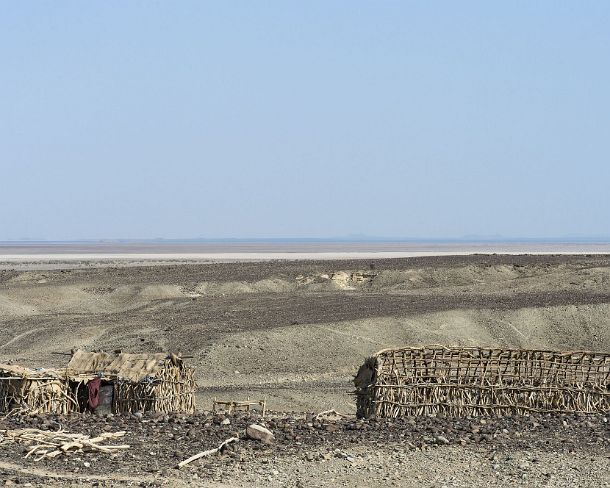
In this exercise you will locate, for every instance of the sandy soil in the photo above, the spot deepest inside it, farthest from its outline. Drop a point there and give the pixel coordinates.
(295, 332)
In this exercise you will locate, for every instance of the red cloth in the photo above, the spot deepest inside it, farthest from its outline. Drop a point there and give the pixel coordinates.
(94, 392)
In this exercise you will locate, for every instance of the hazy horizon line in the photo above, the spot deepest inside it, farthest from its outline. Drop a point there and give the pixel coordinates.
(572, 239)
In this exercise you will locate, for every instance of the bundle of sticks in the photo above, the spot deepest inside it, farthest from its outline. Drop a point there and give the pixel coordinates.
(49, 444)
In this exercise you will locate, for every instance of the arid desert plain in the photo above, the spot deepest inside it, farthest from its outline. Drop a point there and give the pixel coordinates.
(294, 332)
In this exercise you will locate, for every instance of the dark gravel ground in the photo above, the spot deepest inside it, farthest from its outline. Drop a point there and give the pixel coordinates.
(256, 270)
(214, 315)
(158, 442)
(181, 322)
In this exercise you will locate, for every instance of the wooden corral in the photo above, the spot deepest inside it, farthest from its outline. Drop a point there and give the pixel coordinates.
(470, 381)
(238, 406)
(140, 382)
(34, 391)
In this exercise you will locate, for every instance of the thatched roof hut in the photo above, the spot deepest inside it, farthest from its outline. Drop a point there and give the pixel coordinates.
(462, 381)
(156, 382)
(35, 391)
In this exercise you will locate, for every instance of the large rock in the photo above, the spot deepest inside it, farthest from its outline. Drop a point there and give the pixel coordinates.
(259, 433)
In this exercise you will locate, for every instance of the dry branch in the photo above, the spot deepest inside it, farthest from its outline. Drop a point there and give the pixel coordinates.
(209, 452)
(332, 412)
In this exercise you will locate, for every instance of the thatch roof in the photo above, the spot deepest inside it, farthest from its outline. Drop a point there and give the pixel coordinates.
(27, 373)
(133, 367)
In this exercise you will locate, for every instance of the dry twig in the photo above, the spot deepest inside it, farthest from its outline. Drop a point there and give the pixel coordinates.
(332, 412)
(207, 453)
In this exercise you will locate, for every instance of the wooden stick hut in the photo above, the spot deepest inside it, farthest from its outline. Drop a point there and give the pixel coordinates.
(470, 381)
(132, 382)
(34, 391)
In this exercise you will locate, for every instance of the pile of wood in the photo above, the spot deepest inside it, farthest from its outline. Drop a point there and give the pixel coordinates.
(468, 381)
(49, 444)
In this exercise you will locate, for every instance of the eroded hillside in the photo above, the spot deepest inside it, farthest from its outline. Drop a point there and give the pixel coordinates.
(295, 332)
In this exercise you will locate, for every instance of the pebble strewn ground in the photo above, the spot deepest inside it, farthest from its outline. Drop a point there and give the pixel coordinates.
(539, 450)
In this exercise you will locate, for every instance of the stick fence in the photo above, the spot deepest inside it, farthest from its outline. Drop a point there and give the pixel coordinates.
(468, 381)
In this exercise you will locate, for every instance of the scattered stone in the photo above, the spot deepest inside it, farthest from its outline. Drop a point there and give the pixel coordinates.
(259, 433)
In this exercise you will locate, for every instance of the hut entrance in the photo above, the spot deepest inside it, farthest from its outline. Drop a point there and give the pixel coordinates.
(94, 395)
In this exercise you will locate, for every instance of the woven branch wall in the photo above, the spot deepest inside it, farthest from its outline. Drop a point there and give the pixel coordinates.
(37, 395)
(172, 390)
(461, 381)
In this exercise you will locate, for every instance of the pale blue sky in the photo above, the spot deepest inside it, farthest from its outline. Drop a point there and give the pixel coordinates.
(146, 119)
